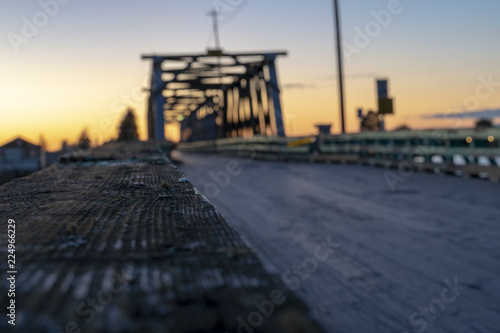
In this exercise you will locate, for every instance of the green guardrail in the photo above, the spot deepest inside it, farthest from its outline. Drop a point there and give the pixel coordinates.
(473, 146)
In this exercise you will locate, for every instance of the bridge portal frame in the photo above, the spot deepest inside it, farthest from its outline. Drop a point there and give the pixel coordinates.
(215, 95)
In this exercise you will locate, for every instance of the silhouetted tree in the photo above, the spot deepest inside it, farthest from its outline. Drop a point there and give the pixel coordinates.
(43, 151)
(484, 123)
(403, 128)
(64, 145)
(42, 142)
(128, 127)
(370, 122)
(84, 140)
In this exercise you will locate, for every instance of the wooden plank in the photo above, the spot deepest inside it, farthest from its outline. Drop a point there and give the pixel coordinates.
(127, 245)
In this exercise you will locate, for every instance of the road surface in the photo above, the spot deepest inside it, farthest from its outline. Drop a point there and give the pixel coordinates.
(422, 258)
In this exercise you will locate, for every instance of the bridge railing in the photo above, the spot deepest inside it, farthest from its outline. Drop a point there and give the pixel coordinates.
(464, 151)
(475, 152)
(257, 147)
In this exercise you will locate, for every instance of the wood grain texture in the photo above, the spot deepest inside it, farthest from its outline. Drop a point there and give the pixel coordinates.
(121, 245)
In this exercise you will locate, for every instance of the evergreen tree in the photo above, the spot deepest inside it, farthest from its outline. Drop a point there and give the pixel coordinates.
(370, 122)
(84, 140)
(42, 142)
(484, 123)
(64, 145)
(128, 127)
(403, 128)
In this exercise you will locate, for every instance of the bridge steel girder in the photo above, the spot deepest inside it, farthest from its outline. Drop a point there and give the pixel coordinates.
(275, 93)
(156, 101)
(235, 107)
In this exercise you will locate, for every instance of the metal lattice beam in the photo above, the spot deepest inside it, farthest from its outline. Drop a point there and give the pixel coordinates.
(221, 96)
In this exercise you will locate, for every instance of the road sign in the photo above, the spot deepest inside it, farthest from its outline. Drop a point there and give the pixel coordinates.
(385, 106)
(382, 89)
(301, 142)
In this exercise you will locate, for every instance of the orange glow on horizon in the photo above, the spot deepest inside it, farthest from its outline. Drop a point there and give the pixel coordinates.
(74, 75)
(303, 109)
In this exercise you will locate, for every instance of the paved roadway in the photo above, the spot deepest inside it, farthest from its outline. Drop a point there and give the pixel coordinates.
(398, 255)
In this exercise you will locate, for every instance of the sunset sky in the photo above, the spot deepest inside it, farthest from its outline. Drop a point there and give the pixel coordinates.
(82, 66)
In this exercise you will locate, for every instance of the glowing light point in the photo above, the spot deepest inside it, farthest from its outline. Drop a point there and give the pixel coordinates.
(469, 139)
(180, 118)
(491, 138)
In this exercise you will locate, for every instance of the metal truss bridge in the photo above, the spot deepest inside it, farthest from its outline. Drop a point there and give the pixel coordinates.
(215, 95)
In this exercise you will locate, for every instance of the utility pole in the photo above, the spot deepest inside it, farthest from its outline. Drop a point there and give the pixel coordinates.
(340, 65)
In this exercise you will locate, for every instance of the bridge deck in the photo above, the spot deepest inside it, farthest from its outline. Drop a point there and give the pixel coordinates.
(396, 247)
(112, 241)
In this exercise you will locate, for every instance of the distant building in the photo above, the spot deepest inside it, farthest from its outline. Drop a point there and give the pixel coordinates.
(324, 128)
(20, 155)
(19, 158)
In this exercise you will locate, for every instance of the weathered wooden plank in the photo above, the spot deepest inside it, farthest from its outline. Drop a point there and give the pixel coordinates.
(126, 245)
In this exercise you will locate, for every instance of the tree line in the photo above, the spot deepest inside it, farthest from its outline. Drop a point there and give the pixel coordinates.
(127, 130)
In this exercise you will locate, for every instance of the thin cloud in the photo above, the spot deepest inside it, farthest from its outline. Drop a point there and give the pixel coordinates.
(351, 76)
(299, 86)
(481, 114)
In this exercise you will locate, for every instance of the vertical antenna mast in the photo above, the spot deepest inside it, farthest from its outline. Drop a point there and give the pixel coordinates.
(214, 15)
(218, 49)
